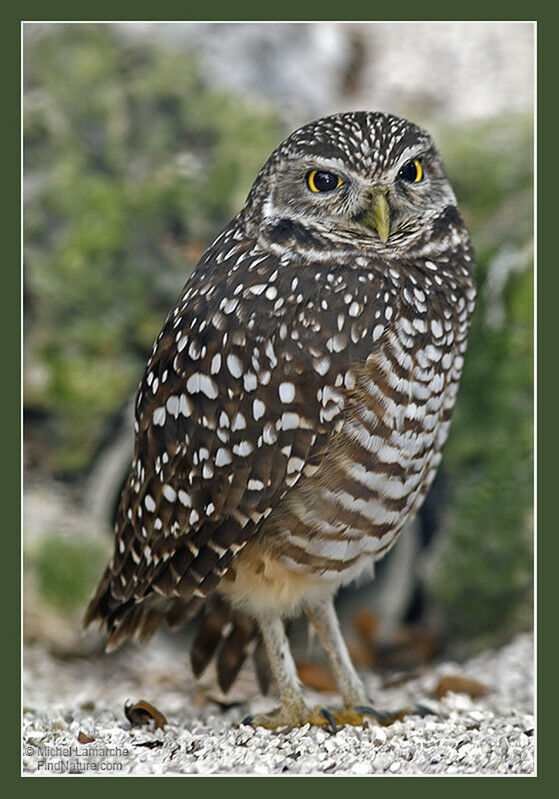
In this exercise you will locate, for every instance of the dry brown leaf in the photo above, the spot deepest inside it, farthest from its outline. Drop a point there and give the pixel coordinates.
(316, 676)
(459, 685)
(366, 624)
(409, 648)
(84, 739)
(362, 654)
(142, 712)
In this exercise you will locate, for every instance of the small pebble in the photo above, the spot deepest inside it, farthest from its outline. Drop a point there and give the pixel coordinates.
(379, 735)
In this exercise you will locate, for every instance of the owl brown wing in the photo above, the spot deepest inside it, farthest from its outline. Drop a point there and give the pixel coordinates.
(244, 387)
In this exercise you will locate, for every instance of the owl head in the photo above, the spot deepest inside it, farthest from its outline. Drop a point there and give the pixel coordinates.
(368, 176)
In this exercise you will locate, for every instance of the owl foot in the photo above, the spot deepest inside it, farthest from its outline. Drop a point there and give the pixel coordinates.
(387, 718)
(331, 719)
(317, 717)
(293, 717)
(355, 716)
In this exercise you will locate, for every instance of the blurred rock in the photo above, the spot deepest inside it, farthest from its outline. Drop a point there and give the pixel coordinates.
(449, 71)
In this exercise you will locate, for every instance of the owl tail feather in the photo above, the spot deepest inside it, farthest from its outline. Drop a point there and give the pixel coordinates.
(135, 618)
(223, 635)
(228, 637)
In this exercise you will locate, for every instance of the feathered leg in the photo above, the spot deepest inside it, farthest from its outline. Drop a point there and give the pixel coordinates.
(324, 619)
(293, 712)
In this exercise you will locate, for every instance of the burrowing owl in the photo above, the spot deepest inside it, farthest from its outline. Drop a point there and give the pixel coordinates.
(294, 409)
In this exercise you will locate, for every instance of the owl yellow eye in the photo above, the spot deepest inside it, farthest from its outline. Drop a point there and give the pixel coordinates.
(318, 180)
(412, 172)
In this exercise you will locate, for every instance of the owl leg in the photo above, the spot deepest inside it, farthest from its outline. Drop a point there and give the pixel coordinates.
(293, 712)
(323, 617)
(356, 707)
(356, 704)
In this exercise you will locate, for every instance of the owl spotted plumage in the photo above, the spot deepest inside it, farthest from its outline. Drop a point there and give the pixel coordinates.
(293, 412)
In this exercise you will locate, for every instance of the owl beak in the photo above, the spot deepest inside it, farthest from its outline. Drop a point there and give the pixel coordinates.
(377, 216)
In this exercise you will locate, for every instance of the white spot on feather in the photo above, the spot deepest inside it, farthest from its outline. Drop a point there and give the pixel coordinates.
(169, 493)
(223, 457)
(173, 405)
(215, 365)
(322, 365)
(200, 383)
(159, 416)
(239, 422)
(243, 448)
(234, 365)
(185, 499)
(289, 421)
(258, 409)
(286, 392)
(269, 435)
(249, 381)
(185, 405)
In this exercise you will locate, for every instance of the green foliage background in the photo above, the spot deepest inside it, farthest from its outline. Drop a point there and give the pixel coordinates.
(132, 165)
(484, 579)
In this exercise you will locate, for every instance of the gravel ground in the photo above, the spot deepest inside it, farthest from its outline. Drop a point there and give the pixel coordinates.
(489, 735)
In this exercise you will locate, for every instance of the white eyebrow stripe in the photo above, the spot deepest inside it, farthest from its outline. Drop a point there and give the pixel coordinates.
(329, 164)
(411, 152)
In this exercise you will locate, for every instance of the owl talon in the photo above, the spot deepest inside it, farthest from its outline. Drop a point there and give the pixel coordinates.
(365, 710)
(330, 719)
(386, 719)
(423, 710)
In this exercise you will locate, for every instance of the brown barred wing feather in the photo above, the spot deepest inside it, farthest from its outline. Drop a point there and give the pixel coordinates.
(236, 404)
